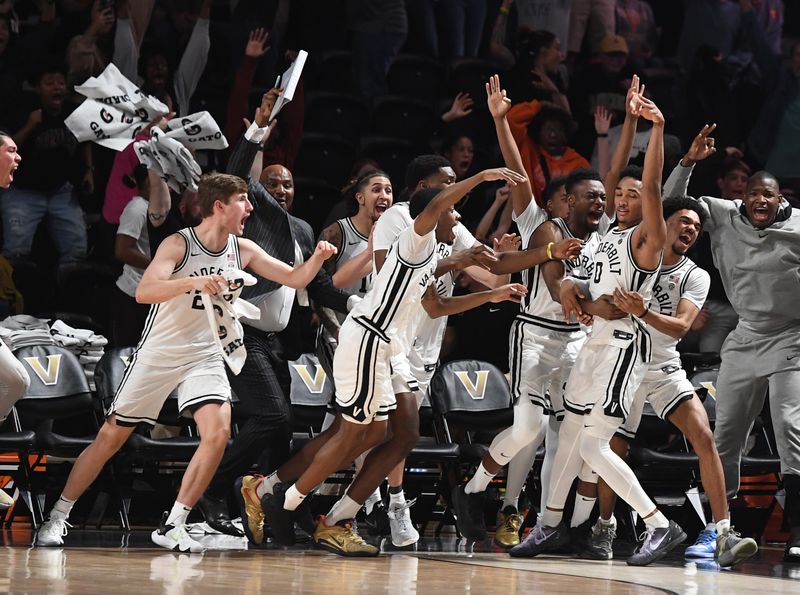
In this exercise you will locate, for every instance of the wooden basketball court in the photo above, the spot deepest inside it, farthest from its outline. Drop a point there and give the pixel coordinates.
(113, 562)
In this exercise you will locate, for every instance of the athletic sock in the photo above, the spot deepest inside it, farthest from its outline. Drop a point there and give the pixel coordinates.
(480, 481)
(266, 485)
(343, 509)
(582, 510)
(62, 508)
(293, 498)
(612, 522)
(551, 518)
(712, 526)
(374, 498)
(657, 520)
(723, 526)
(178, 515)
(397, 497)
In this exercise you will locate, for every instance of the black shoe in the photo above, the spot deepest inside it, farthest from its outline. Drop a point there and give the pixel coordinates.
(377, 520)
(656, 544)
(468, 510)
(279, 519)
(599, 542)
(215, 513)
(304, 519)
(541, 539)
(579, 537)
(792, 552)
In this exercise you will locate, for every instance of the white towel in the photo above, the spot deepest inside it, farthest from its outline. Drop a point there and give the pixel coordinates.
(223, 312)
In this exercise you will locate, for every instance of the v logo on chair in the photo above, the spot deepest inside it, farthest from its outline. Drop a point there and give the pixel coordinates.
(48, 376)
(476, 390)
(316, 384)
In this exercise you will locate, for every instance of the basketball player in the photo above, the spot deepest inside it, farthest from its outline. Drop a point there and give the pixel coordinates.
(177, 350)
(756, 246)
(610, 366)
(372, 350)
(14, 380)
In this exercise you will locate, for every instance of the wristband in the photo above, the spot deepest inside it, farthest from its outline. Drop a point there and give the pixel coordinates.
(603, 135)
(550, 250)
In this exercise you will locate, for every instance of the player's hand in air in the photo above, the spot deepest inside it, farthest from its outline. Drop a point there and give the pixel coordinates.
(503, 173)
(513, 292)
(496, 99)
(702, 146)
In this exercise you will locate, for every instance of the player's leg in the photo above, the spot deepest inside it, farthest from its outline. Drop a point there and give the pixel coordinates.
(785, 409)
(509, 519)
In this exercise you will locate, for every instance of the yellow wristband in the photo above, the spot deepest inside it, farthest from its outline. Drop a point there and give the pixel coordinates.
(550, 251)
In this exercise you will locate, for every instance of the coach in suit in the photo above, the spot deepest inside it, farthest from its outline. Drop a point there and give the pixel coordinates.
(262, 387)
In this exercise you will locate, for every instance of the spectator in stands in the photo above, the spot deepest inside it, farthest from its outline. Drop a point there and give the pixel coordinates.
(460, 23)
(635, 22)
(379, 31)
(132, 248)
(714, 23)
(542, 132)
(46, 180)
(550, 15)
(88, 54)
(590, 19)
(537, 69)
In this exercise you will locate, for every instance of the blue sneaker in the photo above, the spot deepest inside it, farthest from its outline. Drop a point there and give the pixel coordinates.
(705, 546)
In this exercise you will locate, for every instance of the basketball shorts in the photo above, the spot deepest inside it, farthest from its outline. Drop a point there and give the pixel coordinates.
(665, 389)
(603, 382)
(362, 374)
(540, 358)
(145, 388)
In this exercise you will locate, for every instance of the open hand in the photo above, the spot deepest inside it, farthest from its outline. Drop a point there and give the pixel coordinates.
(256, 43)
(509, 242)
(602, 120)
(462, 106)
(509, 176)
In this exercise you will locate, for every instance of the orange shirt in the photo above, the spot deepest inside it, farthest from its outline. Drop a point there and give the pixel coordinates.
(532, 154)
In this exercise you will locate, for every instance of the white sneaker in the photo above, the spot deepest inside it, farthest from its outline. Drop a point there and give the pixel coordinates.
(52, 532)
(6, 501)
(403, 531)
(175, 539)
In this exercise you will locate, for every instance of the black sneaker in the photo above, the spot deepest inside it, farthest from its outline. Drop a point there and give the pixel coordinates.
(656, 543)
(541, 539)
(377, 520)
(279, 519)
(792, 552)
(579, 537)
(468, 510)
(303, 517)
(215, 513)
(599, 542)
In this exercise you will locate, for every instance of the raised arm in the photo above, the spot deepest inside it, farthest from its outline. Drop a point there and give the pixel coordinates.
(622, 152)
(160, 200)
(426, 221)
(499, 106)
(647, 241)
(237, 100)
(273, 269)
(194, 59)
(702, 147)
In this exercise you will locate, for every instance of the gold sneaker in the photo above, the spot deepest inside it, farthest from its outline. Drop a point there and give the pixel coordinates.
(508, 522)
(342, 539)
(250, 507)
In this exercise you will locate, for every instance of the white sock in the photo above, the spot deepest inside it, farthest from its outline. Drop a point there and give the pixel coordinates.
(582, 510)
(723, 526)
(551, 518)
(178, 515)
(62, 508)
(712, 526)
(657, 520)
(480, 481)
(344, 508)
(265, 487)
(374, 498)
(397, 498)
(293, 498)
(612, 522)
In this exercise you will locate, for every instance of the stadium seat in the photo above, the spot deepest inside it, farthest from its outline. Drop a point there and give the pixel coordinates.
(416, 76)
(403, 117)
(392, 154)
(469, 75)
(313, 200)
(335, 71)
(14, 440)
(311, 392)
(325, 157)
(338, 114)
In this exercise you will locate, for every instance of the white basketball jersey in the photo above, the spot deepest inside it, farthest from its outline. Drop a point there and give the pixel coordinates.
(614, 267)
(390, 308)
(177, 331)
(539, 306)
(684, 280)
(353, 244)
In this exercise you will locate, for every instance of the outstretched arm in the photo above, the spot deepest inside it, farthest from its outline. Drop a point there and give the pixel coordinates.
(499, 106)
(622, 153)
(648, 238)
(436, 305)
(273, 269)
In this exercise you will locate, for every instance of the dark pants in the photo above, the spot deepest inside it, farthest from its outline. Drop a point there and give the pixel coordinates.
(127, 319)
(263, 411)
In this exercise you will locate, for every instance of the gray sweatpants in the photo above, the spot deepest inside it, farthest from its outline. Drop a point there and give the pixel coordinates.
(14, 380)
(751, 364)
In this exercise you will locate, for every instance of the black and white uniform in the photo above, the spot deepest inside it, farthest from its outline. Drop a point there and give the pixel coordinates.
(371, 340)
(177, 348)
(613, 360)
(353, 244)
(543, 346)
(665, 385)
